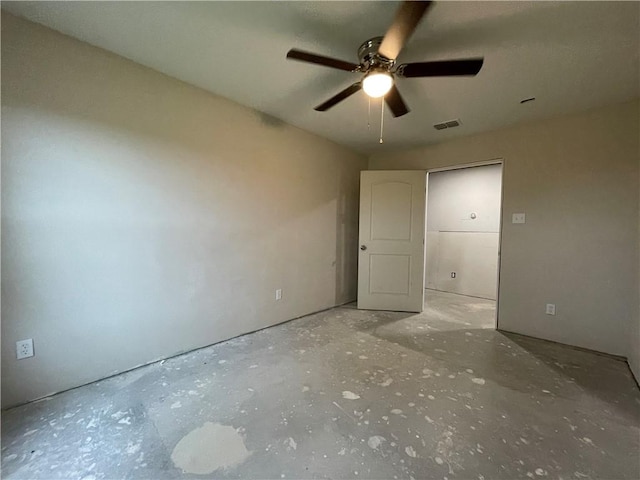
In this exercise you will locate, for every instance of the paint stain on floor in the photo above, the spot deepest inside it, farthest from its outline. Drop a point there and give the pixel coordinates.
(209, 448)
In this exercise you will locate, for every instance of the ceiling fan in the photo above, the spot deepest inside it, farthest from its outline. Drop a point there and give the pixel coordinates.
(377, 58)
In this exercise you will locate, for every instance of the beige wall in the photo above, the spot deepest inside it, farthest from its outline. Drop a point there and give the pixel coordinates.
(634, 337)
(576, 178)
(142, 217)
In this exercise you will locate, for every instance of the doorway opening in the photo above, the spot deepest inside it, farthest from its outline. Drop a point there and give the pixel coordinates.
(462, 243)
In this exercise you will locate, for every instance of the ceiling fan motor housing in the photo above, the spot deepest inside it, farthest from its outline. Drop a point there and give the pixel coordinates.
(369, 56)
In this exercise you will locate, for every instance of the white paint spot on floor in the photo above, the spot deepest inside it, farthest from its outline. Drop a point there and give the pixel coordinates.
(343, 451)
(291, 444)
(431, 397)
(479, 381)
(253, 366)
(439, 461)
(410, 451)
(375, 441)
(587, 440)
(468, 370)
(177, 404)
(428, 419)
(546, 391)
(209, 448)
(540, 472)
(387, 382)
(396, 411)
(350, 395)
(221, 362)
(132, 448)
(426, 371)
(305, 388)
(363, 357)
(126, 421)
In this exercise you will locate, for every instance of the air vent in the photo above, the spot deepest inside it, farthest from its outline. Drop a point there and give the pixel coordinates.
(448, 124)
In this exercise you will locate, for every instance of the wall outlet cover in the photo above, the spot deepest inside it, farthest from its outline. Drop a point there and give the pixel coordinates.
(279, 294)
(551, 309)
(24, 348)
(518, 218)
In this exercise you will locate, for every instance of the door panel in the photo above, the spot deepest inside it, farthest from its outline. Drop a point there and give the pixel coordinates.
(391, 211)
(389, 274)
(392, 228)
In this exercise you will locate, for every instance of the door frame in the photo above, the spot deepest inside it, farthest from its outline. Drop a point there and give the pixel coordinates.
(494, 161)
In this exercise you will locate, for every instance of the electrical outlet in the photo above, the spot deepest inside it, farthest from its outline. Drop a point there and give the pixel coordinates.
(453, 274)
(279, 294)
(518, 218)
(24, 348)
(551, 309)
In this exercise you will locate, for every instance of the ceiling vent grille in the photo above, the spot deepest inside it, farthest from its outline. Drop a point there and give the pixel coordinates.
(448, 124)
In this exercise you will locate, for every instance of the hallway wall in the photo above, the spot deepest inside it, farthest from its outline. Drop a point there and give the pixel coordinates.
(463, 224)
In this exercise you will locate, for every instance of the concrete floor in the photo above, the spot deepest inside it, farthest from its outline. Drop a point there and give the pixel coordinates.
(346, 394)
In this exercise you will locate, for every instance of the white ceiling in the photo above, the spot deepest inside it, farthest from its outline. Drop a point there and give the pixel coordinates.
(571, 56)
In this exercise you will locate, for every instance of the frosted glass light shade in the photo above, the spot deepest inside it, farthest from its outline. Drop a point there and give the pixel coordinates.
(377, 84)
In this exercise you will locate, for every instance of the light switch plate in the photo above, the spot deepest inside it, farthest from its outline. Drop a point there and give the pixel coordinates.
(518, 218)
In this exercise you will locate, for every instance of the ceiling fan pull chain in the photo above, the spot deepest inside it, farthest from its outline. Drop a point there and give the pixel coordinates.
(381, 117)
(369, 114)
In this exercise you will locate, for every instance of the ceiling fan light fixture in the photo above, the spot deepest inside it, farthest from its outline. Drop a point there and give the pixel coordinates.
(376, 84)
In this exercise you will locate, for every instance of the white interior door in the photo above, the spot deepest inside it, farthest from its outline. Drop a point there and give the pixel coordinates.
(392, 229)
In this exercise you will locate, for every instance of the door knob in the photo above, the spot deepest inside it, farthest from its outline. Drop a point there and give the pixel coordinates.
(363, 247)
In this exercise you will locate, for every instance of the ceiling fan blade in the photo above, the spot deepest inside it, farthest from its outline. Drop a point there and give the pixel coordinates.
(396, 103)
(347, 92)
(407, 18)
(308, 57)
(444, 68)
